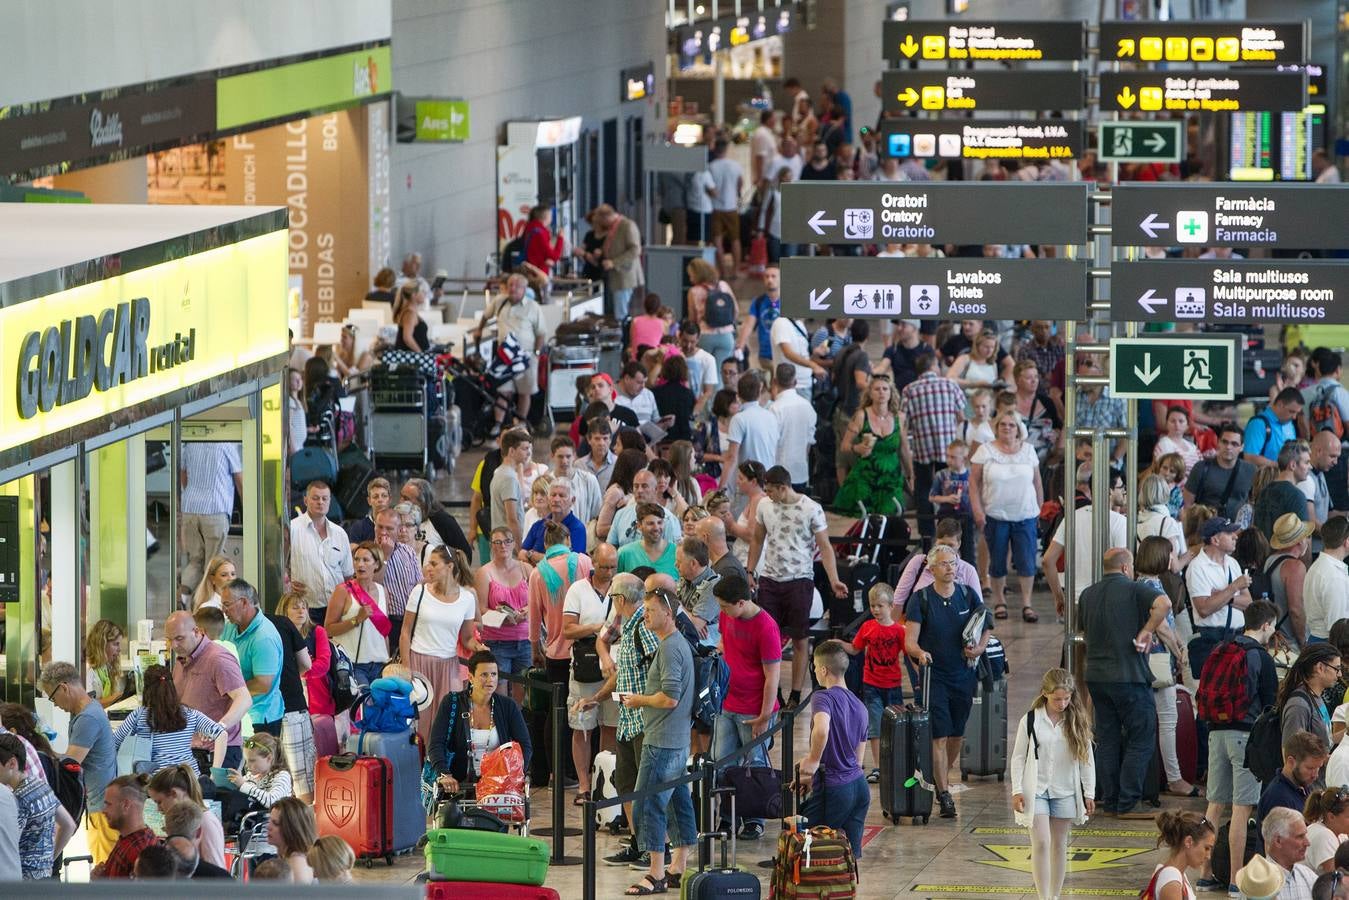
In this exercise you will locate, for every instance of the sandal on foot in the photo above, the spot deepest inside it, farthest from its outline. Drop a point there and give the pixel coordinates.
(646, 887)
(1029, 615)
(672, 879)
(1000, 611)
(580, 798)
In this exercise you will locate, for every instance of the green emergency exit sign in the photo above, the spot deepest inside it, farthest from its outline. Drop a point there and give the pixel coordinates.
(1151, 368)
(1141, 142)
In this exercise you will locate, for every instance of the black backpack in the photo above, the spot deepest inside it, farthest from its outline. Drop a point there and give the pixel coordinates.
(1264, 748)
(513, 253)
(719, 309)
(66, 778)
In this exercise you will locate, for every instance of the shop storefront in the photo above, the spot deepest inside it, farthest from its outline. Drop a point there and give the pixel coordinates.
(312, 134)
(130, 333)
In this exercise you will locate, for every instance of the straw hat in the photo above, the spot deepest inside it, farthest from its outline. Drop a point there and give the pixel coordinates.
(1289, 530)
(1260, 878)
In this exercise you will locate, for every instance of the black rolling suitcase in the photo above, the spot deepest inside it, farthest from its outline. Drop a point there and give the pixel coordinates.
(984, 751)
(906, 760)
(725, 881)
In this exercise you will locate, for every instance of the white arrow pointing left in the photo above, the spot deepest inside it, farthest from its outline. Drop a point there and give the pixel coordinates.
(1150, 302)
(817, 301)
(818, 220)
(1151, 226)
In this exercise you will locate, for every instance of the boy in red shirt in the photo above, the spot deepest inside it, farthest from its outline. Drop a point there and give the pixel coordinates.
(881, 639)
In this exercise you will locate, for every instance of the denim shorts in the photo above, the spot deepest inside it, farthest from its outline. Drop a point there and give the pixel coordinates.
(513, 657)
(1055, 807)
(876, 700)
(1021, 535)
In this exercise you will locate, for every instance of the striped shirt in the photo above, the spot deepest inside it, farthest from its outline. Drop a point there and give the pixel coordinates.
(400, 575)
(210, 468)
(636, 647)
(168, 748)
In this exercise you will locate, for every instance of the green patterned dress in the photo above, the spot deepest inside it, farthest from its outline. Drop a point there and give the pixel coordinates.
(875, 481)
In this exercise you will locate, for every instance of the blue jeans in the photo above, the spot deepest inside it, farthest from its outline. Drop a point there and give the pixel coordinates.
(674, 807)
(732, 731)
(842, 806)
(367, 672)
(622, 299)
(1126, 730)
(513, 657)
(721, 346)
(1021, 535)
(876, 699)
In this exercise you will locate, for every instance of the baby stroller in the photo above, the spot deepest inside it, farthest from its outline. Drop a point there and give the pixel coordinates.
(477, 389)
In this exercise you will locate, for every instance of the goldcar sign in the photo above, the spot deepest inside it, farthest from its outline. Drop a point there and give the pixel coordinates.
(90, 351)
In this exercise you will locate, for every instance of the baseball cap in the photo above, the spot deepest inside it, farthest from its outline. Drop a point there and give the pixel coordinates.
(1216, 526)
(914, 323)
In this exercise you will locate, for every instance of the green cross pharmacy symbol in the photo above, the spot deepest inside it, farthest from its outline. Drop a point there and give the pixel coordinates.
(1192, 226)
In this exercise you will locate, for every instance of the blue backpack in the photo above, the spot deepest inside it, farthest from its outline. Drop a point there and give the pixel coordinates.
(386, 706)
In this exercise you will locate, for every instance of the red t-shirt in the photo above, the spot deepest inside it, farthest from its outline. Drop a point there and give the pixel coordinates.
(883, 645)
(747, 645)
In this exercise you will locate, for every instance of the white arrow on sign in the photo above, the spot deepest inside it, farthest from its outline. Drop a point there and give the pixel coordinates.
(456, 117)
(1150, 302)
(1151, 226)
(818, 219)
(817, 301)
(1156, 142)
(1147, 374)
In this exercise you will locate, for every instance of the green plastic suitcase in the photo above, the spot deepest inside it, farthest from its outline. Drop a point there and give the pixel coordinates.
(460, 854)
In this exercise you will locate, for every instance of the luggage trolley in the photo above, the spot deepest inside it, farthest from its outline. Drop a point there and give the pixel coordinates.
(398, 418)
(568, 361)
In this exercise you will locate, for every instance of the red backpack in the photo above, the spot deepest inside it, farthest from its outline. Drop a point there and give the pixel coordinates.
(1222, 698)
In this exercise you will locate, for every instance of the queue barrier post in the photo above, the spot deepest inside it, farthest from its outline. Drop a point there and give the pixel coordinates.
(558, 829)
(589, 857)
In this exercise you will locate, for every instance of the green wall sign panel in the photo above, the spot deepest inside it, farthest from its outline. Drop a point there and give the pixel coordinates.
(302, 87)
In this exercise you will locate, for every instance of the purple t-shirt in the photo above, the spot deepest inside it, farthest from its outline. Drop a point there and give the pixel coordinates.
(847, 729)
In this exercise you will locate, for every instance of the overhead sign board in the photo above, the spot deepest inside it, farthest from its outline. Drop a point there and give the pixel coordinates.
(1029, 139)
(1296, 216)
(1206, 41)
(1191, 91)
(637, 83)
(951, 212)
(926, 288)
(1132, 141)
(1147, 368)
(1231, 291)
(993, 41)
(918, 89)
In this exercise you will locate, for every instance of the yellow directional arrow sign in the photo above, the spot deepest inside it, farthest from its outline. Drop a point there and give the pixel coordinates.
(1125, 97)
(1126, 47)
(1080, 859)
(909, 47)
(909, 96)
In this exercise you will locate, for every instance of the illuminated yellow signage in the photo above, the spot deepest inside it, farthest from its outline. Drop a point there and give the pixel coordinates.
(940, 39)
(90, 351)
(1207, 41)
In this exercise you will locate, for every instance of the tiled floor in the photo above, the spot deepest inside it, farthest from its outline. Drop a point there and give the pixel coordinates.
(981, 853)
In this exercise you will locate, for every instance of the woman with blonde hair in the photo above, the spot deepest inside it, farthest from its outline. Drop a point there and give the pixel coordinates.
(219, 572)
(681, 464)
(331, 858)
(412, 329)
(358, 618)
(877, 435)
(104, 679)
(292, 830)
(716, 336)
(1171, 468)
(448, 604)
(1053, 776)
(977, 369)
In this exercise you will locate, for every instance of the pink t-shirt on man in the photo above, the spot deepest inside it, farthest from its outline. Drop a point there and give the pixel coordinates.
(747, 645)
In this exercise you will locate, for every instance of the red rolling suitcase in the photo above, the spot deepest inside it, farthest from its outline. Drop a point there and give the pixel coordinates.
(353, 799)
(481, 890)
(1187, 737)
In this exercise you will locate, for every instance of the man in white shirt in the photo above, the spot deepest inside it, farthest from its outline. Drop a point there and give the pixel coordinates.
(1285, 834)
(1325, 590)
(320, 554)
(1219, 590)
(210, 473)
(520, 317)
(796, 417)
(701, 189)
(763, 146)
(586, 491)
(789, 158)
(791, 345)
(729, 179)
(703, 374)
(633, 394)
(1083, 518)
(755, 431)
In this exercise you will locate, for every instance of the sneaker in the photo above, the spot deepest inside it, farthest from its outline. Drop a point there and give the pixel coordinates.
(948, 805)
(751, 831)
(1208, 884)
(874, 776)
(644, 863)
(1233, 891)
(628, 855)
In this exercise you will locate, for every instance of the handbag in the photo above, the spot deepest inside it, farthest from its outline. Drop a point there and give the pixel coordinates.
(142, 748)
(585, 655)
(1163, 672)
(758, 790)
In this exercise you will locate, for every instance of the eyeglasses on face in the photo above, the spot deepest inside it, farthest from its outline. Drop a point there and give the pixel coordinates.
(502, 542)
